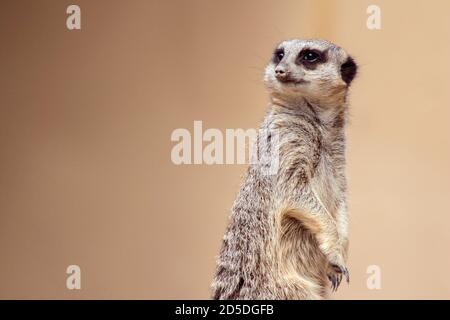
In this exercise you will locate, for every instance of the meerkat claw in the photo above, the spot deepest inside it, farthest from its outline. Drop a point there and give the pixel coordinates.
(333, 282)
(347, 275)
(336, 277)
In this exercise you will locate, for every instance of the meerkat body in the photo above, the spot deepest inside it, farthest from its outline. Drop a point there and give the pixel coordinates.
(287, 234)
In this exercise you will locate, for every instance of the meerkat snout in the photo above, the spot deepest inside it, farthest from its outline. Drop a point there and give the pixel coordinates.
(280, 72)
(284, 75)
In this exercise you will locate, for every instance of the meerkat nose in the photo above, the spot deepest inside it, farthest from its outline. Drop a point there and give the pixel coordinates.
(280, 73)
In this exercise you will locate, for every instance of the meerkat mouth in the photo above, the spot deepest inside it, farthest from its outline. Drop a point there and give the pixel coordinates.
(292, 81)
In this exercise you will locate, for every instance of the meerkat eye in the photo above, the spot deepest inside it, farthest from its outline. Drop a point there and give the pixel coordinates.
(310, 56)
(278, 55)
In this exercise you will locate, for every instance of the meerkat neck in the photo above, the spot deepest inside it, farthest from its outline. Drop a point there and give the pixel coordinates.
(328, 115)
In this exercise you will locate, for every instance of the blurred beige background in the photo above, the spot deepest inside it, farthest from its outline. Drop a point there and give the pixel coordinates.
(86, 117)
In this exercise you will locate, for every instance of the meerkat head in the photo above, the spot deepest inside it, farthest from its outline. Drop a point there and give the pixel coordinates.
(313, 70)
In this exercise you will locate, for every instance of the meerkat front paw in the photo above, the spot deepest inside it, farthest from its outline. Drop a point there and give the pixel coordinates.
(335, 273)
(336, 257)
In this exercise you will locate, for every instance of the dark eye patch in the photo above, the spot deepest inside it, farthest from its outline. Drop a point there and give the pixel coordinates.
(310, 58)
(278, 55)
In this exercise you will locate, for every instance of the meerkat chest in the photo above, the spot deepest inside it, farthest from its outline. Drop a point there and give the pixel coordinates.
(329, 181)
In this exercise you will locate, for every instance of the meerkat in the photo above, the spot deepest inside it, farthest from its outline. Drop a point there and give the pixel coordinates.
(287, 234)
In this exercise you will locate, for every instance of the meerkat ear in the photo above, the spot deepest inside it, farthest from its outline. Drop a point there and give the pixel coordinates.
(348, 70)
